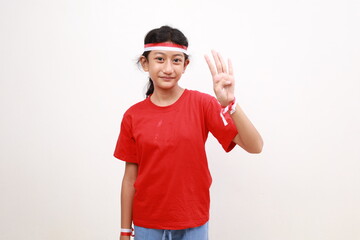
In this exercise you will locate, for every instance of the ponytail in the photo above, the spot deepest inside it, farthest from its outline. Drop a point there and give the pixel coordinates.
(150, 89)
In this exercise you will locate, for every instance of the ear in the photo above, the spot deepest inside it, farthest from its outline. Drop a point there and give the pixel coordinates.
(186, 64)
(144, 63)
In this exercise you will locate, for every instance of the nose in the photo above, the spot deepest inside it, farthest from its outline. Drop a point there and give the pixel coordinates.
(168, 67)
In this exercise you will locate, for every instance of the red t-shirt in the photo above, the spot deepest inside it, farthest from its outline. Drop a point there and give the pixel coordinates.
(168, 144)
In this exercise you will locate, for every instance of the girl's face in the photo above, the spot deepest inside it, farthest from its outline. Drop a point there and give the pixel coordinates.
(165, 68)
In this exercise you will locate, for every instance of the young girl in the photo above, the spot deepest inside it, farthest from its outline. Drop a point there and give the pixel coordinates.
(165, 189)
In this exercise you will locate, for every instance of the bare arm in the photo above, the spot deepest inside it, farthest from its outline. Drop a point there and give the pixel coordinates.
(224, 83)
(248, 137)
(127, 196)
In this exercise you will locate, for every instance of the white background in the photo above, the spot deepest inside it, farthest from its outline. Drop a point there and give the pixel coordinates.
(68, 72)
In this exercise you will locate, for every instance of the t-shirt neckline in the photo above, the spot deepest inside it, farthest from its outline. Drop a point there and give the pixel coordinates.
(153, 105)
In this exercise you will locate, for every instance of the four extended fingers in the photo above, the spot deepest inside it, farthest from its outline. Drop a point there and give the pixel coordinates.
(220, 65)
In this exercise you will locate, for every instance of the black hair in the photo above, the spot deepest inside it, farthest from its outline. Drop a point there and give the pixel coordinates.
(159, 35)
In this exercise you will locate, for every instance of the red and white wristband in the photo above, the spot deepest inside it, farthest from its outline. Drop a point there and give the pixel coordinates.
(231, 108)
(127, 232)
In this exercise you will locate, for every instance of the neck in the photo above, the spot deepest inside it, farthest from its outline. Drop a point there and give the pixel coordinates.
(167, 97)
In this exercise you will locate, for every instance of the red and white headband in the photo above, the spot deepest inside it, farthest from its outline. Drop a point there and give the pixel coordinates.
(166, 46)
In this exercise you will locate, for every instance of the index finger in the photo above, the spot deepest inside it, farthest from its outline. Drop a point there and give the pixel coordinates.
(211, 66)
(231, 70)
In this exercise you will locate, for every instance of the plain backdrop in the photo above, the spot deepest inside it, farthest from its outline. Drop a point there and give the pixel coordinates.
(68, 73)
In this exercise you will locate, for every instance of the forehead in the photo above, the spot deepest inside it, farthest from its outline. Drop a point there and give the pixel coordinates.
(167, 53)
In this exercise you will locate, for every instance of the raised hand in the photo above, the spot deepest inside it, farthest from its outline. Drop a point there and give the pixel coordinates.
(223, 78)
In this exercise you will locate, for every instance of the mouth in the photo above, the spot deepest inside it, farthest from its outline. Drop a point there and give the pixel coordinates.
(167, 78)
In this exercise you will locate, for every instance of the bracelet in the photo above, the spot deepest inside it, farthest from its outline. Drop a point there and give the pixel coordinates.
(231, 107)
(127, 232)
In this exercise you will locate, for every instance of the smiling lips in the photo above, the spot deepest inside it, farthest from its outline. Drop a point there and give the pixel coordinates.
(167, 78)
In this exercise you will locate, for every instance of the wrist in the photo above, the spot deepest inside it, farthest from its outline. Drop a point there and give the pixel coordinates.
(231, 107)
(229, 103)
(127, 232)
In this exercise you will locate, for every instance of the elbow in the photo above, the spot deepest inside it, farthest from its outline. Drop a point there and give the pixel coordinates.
(255, 151)
(256, 148)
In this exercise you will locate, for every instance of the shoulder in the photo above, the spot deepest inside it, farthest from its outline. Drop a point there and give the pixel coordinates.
(204, 100)
(200, 96)
(137, 107)
(135, 110)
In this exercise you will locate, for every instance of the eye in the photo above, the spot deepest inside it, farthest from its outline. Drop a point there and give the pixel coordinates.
(177, 60)
(159, 59)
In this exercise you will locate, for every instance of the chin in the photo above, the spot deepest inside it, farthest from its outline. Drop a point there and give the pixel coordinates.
(167, 85)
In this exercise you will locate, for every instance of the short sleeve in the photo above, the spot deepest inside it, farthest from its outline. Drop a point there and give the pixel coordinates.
(126, 146)
(220, 125)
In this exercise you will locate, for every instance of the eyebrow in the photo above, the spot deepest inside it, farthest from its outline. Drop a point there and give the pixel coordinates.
(178, 54)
